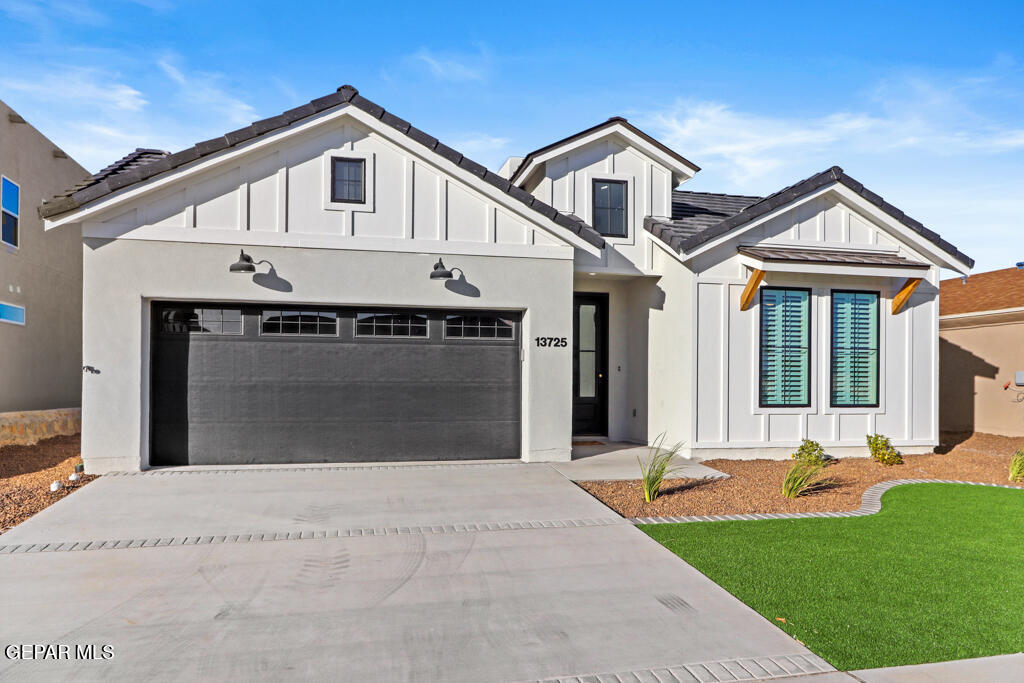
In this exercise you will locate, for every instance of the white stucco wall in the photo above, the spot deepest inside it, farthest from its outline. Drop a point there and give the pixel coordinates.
(123, 276)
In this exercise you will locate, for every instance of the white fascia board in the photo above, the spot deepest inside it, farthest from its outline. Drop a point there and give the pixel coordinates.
(845, 269)
(396, 137)
(979, 314)
(632, 138)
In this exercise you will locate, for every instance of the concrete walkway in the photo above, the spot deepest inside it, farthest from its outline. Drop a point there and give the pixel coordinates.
(999, 668)
(618, 461)
(502, 572)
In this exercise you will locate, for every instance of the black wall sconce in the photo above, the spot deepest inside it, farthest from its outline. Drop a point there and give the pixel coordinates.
(440, 272)
(244, 264)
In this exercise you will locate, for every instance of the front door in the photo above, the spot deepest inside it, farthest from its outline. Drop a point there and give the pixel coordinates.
(590, 364)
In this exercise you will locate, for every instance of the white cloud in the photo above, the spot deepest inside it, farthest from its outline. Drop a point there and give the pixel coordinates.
(80, 85)
(452, 67)
(205, 90)
(479, 144)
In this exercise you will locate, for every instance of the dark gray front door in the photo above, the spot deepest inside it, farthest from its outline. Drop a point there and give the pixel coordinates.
(590, 364)
(264, 384)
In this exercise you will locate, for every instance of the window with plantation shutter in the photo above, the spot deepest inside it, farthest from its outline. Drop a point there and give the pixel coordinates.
(854, 349)
(785, 347)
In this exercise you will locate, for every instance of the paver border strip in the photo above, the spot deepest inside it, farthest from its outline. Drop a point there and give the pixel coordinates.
(870, 504)
(760, 668)
(307, 534)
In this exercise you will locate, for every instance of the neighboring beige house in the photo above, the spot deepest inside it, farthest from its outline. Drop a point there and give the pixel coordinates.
(40, 276)
(981, 352)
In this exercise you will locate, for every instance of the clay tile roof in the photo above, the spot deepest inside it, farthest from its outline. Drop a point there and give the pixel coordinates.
(995, 290)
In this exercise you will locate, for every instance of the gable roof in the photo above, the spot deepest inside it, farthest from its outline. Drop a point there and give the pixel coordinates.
(144, 164)
(995, 290)
(685, 236)
(613, 121)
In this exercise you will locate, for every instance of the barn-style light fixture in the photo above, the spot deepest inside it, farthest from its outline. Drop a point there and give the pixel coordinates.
(440, 272)
(244, 263)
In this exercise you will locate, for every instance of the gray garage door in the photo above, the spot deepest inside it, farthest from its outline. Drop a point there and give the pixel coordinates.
(238, 384)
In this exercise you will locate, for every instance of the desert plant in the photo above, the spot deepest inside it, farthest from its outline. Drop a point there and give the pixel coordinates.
(810, 452)
(1017, 466)
(802, 478)
(882, 450)
(658, 466)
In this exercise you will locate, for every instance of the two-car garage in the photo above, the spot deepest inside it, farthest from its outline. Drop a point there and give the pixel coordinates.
(243, 383)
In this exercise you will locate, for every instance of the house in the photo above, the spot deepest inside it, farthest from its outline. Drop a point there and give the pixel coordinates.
(40, 288)
(334, 284)
(981, 353)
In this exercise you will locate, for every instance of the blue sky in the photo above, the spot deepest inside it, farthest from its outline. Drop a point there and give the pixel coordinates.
(922, 102)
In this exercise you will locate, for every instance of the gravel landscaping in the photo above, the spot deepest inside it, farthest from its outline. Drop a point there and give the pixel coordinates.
(27, 471)
(755, 485)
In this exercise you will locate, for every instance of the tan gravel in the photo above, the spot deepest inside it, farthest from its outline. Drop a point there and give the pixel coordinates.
(27, 471)
(755, 485)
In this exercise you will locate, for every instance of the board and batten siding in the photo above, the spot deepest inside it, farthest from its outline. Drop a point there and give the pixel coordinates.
(727, 351)
(279, 197)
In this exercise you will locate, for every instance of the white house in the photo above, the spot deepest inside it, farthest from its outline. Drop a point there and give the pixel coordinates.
(394, 300)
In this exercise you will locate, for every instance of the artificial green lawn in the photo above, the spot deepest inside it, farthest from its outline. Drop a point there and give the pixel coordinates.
(938, 574)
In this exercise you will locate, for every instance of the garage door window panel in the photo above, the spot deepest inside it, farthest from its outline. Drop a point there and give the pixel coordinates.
(299, 323)
(391, 324)
(184, 320)
(468, 326)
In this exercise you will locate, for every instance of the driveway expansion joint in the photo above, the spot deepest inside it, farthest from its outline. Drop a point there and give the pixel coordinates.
(871, 503)
(743, 669)
(309, 534)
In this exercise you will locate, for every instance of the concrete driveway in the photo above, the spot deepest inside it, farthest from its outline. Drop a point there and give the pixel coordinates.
(501, 572)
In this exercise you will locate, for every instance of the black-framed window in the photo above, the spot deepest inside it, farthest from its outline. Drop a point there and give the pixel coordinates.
(391, 324)
(610, 207)
(785, 364)
(186, 320)
(461, 326)
(855, 349)
(348, 180)
(10, 211)
(302, 323)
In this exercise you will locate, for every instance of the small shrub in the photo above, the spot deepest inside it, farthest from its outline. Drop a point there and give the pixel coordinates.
(801, 479)
(810, 452)
(1017, 466)
(658, 466)
(882, 450)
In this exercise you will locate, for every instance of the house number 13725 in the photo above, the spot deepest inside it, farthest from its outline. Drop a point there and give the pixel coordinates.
(552, 341)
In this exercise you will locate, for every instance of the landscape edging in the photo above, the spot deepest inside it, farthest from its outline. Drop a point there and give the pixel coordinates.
(870, 503)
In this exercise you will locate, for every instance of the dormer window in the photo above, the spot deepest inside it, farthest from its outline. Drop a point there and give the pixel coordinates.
(348, 180)
(610, 207)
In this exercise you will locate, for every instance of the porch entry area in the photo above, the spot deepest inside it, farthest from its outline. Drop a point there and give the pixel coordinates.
(590, 364)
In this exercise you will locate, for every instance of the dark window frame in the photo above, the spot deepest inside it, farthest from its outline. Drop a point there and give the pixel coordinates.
(374, 312)
(461, 337)
(14, 217)
(282, 310)
(810, 348)
(832, 349)
(362, 180)
(625, 206)
(201, 322)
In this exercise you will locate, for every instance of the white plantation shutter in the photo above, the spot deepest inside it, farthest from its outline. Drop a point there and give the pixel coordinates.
(854, 349)
(785, 347)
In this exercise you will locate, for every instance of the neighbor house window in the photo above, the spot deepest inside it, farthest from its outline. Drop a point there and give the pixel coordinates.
(458, 326)
(785, 347)
(610, 207)
(302, 323)
(9, 313)
(201, 321)
(854, 349)
(10, 203)
(385, 324)
(348, 180)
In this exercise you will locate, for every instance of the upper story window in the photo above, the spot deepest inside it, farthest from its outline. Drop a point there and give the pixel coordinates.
(9, 313)
(854, 349)
(348, 180)
(610, 207)
(785, 348)
(10, 202)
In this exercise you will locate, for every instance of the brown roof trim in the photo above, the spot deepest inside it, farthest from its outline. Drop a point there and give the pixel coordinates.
(126, 172)
(850, 257)
(662, 228)
(583, 133)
